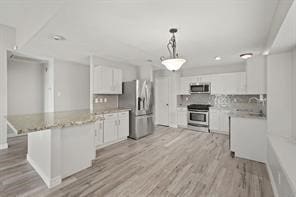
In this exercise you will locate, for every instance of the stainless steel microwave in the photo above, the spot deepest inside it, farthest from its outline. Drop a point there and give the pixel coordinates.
(200, 88)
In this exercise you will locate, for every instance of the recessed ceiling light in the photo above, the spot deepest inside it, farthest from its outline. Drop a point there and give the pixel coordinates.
(246, 55)
(58, 37)
(218, 58)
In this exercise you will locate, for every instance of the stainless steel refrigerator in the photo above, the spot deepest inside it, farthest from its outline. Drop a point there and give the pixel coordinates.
(138, 96)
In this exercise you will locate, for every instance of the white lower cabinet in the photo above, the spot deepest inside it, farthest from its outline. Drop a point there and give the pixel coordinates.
(114, 127)
(110, 128)
(219, 121)
(182, 116)
(99, 132)
(123, 125)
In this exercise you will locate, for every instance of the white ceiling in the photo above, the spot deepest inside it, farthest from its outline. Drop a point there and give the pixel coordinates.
(286, 38)
(132, 31)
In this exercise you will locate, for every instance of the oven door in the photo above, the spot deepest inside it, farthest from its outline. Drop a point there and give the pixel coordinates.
(197, 117)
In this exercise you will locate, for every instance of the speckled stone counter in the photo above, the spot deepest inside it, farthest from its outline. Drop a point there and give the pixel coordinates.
(108, 111)
(247, 115)
(35, 122)
(24, 124)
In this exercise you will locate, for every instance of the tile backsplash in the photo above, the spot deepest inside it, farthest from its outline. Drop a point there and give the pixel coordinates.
(105, 101)
(223, 101)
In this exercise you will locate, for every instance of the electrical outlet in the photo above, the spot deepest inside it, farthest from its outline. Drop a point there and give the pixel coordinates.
(105, 100)
(96, 100)
(59, 94)
(187, 98)
(101, 100)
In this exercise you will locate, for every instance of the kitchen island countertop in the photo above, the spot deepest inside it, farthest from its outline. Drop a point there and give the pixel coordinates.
(23, 124)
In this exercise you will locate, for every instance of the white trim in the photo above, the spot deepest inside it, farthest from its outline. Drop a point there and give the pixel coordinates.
(271, 178)
(173, 125)
(50, 182)
(3, 146)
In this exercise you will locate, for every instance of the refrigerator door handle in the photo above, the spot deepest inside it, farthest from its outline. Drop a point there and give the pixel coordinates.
(139, 103)
(144, 106)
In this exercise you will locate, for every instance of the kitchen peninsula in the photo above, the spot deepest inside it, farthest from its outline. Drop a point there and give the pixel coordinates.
(59, 143)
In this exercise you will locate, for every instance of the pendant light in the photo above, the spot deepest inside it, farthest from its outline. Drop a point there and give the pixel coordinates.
(173, 63)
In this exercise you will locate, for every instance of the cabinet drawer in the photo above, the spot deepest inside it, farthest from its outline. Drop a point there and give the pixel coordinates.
(110, 116)
(123, 114)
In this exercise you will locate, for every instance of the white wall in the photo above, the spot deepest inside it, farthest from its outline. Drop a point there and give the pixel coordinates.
(279, 93)
(71, 86)
(24, 87)
(7, 41)
(145, 72)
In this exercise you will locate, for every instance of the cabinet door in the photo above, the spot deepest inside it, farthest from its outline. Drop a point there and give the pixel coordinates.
(214, 120)
(256, 75)
(217, 84)
(243, 84)
(182, 118)
(110, 130)
(229, 83)
(117, 81)
(224, 121)
(123, 127)
(185, 85)
(103, 80)
(99, 132)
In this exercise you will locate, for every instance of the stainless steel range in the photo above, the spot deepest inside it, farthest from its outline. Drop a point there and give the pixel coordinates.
(198, 117)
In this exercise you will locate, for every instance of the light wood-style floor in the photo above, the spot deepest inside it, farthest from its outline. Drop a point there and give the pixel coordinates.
(171, 162)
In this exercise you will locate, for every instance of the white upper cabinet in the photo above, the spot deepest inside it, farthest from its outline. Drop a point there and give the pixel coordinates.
(117, 81)
(256, 75)
(228, 83)
(107, 80)
(184, 85)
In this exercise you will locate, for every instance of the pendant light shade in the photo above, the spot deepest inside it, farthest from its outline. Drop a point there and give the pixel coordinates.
(173, 63)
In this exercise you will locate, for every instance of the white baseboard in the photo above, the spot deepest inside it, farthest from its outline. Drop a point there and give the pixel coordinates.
(173, 125)
(3, 146)
(273, 185)
(110, 143)
(50, 182)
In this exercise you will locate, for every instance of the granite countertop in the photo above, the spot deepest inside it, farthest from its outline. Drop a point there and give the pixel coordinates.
(223, 108)
(240, 114)
(108, 111)
(23, 124)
